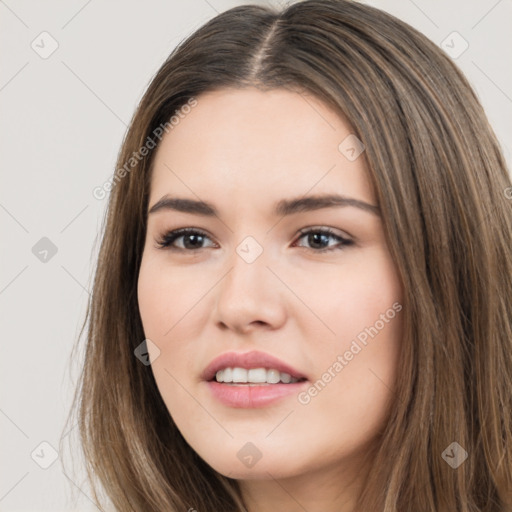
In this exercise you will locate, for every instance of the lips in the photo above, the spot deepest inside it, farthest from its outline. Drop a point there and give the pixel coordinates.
(248, 360)
(252, 395)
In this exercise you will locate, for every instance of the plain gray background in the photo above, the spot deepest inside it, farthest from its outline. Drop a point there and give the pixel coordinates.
(63, 119)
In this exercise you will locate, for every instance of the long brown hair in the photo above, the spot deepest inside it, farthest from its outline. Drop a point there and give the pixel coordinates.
(444, 191)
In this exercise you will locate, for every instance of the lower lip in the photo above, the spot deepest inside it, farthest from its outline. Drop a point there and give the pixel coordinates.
(245, 396)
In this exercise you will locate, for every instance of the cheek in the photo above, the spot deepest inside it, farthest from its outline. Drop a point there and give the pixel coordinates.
(164, 319)
(166, 297)
(353, 299)
(355, 364)
(174, 307)
(159, 312)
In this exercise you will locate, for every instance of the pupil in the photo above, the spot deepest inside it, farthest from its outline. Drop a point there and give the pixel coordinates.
(315, 237)
(197, 239)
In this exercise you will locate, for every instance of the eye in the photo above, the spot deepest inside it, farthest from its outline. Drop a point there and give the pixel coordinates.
(320, 236)
(192, 239)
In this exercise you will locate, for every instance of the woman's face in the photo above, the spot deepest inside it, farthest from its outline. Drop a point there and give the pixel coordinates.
(252, 283)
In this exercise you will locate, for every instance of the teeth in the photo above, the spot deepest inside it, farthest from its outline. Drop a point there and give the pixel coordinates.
(286, 378)
(273, 376)
(239, 375)
(254, 376)
(257, 375)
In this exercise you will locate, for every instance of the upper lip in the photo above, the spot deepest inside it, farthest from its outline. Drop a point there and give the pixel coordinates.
(248, 360)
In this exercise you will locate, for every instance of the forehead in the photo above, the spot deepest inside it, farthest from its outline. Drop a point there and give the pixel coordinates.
(246, 144)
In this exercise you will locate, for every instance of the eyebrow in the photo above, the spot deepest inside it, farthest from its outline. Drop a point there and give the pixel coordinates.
(282, 208)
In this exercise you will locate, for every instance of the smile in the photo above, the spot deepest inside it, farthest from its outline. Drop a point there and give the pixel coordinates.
(253, 376)
(251, 379)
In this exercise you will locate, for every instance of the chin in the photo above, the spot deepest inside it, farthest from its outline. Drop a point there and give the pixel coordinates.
(244, 461)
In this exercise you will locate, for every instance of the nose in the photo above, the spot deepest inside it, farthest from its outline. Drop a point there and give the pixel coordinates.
(250, 296)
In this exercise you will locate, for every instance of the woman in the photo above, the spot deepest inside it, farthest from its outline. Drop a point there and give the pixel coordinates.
(302, 299)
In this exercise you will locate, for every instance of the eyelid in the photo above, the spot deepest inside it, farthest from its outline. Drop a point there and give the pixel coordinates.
(333, 231)
(174, 234)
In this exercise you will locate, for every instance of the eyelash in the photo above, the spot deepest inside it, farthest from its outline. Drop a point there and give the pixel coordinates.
(168, 238)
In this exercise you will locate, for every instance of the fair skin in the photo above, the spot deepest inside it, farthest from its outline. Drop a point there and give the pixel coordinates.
(244, 150)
